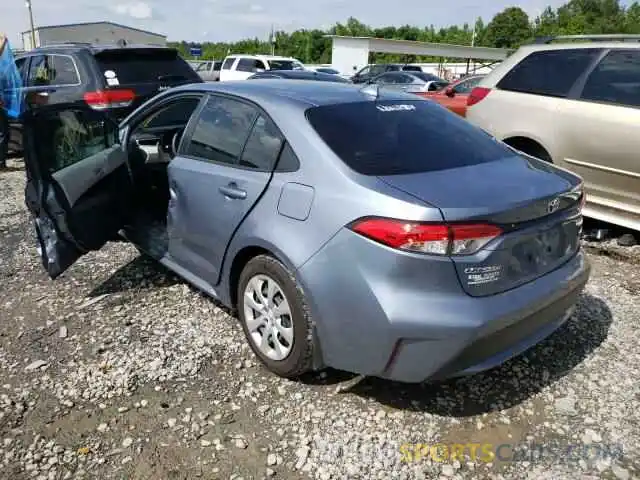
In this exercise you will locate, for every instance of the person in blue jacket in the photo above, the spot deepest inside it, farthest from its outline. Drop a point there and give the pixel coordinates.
(10, 96)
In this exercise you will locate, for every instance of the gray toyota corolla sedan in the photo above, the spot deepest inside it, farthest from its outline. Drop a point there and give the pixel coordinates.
(369, 231)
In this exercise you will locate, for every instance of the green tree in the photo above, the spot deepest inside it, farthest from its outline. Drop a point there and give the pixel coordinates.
(508, 29)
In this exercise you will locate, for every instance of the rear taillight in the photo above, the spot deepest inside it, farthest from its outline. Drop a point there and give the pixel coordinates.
(477, 95)
(432, 238)
(104, 99)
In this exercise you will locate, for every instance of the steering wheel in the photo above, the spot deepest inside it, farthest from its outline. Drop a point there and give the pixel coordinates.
(175, 142)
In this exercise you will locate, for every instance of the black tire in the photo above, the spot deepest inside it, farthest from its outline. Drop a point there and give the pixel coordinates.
(300, 358)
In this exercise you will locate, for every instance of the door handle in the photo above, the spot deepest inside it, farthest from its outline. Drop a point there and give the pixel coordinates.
(232, 191)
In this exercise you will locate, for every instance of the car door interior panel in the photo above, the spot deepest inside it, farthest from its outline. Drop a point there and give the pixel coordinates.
(75, 180)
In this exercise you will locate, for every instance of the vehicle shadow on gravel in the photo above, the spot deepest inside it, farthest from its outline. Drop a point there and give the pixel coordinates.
(505, 386)
(141, 272)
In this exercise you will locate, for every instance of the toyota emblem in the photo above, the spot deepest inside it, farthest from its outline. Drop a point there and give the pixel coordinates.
(553, 205)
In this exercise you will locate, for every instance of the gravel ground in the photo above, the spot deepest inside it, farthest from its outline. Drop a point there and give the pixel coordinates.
(118, 369)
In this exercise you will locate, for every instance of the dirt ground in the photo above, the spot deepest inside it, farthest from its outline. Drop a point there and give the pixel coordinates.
(119, 370)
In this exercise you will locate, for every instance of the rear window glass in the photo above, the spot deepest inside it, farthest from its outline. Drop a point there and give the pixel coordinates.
(550, 73)
(145, 66)
(411, 68)
(400, 137)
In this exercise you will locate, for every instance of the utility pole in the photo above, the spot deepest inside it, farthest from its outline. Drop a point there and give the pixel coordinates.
(473, 44)
(33, 30)
(272, 41)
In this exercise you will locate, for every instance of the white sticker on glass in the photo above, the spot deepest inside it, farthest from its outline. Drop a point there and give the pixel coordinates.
(396, 108)
(110, 74)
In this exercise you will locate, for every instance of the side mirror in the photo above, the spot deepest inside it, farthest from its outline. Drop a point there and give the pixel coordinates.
(450, 92)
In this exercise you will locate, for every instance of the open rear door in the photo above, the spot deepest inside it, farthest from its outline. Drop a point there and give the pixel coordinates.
(78, 184)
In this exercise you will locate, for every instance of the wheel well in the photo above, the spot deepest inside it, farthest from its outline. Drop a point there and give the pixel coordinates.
(241, 259)
(530, 147)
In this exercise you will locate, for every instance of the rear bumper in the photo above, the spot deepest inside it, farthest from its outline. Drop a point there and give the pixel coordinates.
(406, 318)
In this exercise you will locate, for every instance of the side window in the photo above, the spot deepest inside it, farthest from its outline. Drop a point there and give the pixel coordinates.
(246, 65)
(386, 79)
(228, 63)
(264, 145)
(63, 70)
(364, 71)
(288, 161)
(174, 114)
(69, 136)
(221, 130)
(616, 79)
(21, 64)
(404, 79)
(551, 73)
(259, 64)
(377, 69)
(39, 73)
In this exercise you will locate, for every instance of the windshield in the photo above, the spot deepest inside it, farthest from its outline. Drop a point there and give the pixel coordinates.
(285, 65)
(411, 68)
(327, 70)
(401, 137)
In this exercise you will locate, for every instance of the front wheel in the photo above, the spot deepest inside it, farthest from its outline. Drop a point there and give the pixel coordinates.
(275, 317)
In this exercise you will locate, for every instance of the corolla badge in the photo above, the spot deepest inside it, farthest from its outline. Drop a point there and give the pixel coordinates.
(553, 205)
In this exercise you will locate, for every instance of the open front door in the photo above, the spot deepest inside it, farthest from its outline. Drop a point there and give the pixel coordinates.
(78, 184)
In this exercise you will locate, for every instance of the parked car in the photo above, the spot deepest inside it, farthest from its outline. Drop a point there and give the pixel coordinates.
(108, 78)
(353, 230)
(575, 104)
(209, 71)
(454, 97)
(418, 83)
(371, 71)
(299, 75)
(331, 71)
(241, 67)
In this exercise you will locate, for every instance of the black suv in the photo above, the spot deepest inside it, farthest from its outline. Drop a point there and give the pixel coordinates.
(370, 71)
(113, 79)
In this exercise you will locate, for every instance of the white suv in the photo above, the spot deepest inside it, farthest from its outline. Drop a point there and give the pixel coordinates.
(576, 104)
(241, 67)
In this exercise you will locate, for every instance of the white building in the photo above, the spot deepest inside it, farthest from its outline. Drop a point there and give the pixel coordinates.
(350, 54)
(104, 33)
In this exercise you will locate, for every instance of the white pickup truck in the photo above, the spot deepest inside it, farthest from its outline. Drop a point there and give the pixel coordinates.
(241, 67)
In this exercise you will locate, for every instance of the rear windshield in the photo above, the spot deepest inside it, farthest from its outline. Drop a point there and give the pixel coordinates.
(145, 65)
(402, 136)
(411, 68)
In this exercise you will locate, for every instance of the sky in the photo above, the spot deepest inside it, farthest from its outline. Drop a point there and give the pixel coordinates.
(230, 20)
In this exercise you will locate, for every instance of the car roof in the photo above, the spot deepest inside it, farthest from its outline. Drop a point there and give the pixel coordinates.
(300, 74)
(305, 93)
(260, 57)
(94, 48)
(578, 45)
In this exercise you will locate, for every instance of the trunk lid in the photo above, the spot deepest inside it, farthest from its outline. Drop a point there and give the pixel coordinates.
(536, 205)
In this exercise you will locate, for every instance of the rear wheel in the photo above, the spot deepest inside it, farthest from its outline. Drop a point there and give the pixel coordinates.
(530, 147)
(275, 317)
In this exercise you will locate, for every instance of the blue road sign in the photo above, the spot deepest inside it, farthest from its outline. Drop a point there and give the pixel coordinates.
(195, 51)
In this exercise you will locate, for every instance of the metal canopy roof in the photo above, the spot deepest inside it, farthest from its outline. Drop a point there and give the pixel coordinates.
(409, 47)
